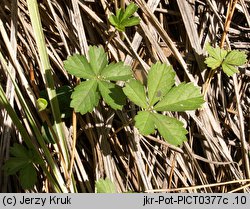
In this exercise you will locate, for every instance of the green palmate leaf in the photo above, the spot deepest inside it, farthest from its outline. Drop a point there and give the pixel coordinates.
(105, 186)
(112, 94)
(229, 61)
(21, 158)
(78, 66)
(28, 176)
(144, 121)
(98, 59)
(22, 162)
(87, 94)
(123, 18)
(184, 97)
(216, 56)
(135, 91)
(116, 72)
(85, 97)
(160, 81)
(233, 59)
(171, 129)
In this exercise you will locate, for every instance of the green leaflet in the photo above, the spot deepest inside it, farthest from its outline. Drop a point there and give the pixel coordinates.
(171, 129)
(229, 69)
(132, 21)
(112, 94)
(184, 97)
(98, 59)
(14, 164)
(236, 58)
(129, 11)
(216, 56)
(233, 59)
(85, 97)
(78, 66)
(144, 121)
(228, 60)
(105, 186)
(116, 72)
(135, 91)
(123, 19)
(160, 81)
(114, 20)
(28, 176)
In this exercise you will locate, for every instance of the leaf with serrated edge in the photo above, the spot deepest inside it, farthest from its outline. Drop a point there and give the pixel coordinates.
(235, 58)
(216, 56)
(85, 97)
(229, 69)
(232, 61)
(123, 18)
(78, 66)
(113, 20)
(98, 59)
(119, 14)
(28, 176)
(116, 72)
(212, 63)
(216, 53)
(129, 11)
(112, 94)
(131, 22)
(144, 121)
(184, 97)
(160, 81)
(135, 91)
(105, 186)
(171, 129)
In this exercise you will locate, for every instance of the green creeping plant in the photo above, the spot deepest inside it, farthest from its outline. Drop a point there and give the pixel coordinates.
(228, 60)
(98, 75)
(123, 19)
(159, 95)
(22, 161)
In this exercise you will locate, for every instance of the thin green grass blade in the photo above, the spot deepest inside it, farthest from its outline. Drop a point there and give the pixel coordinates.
(47, 76)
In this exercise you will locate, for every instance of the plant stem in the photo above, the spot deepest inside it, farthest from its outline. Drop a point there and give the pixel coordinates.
(47, 76)
(112, 35)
